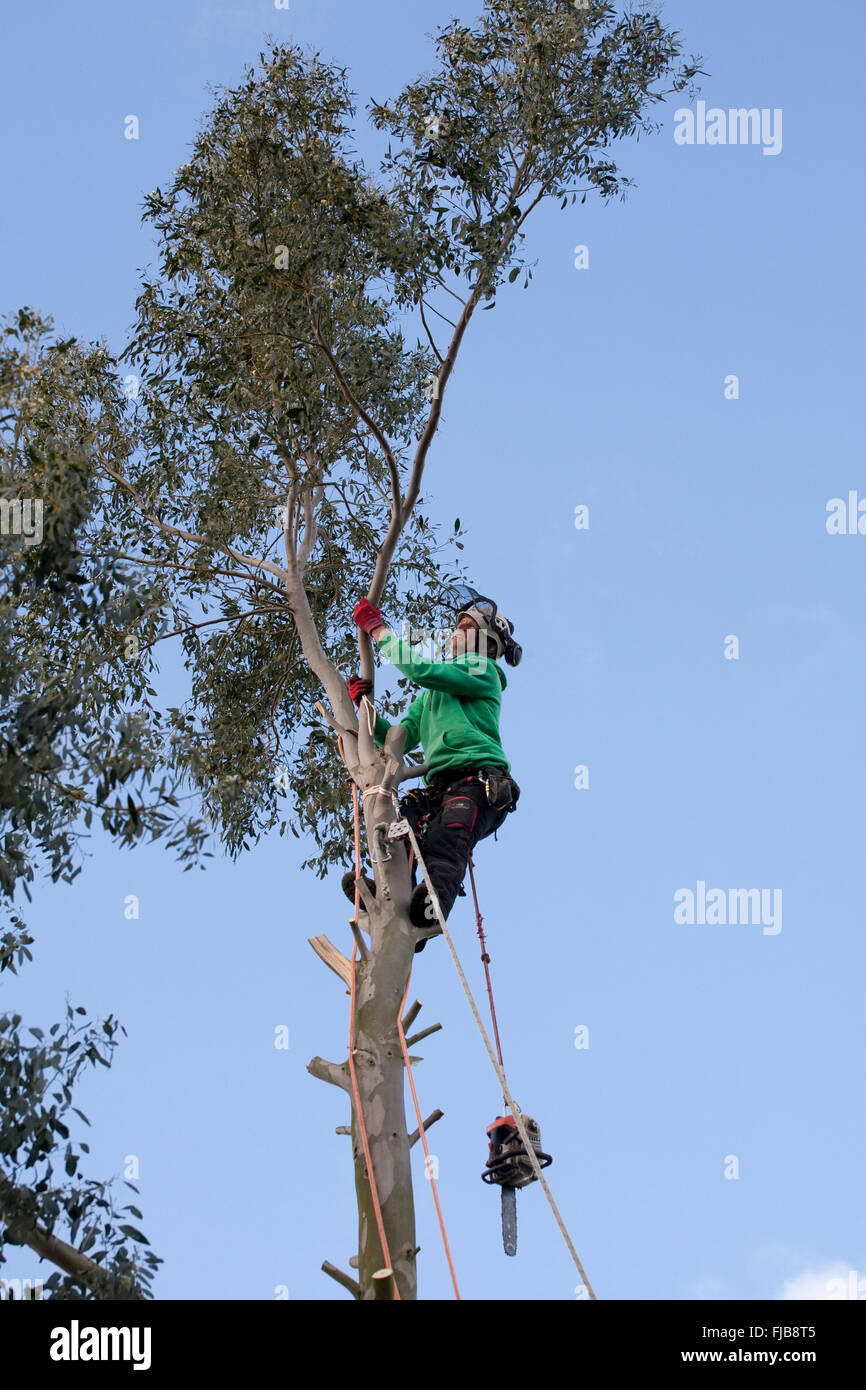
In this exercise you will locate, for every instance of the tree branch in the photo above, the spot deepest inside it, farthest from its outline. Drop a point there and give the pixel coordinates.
(329, 1071)
(335, 687)
(181, 565)
(345, 1279)
(231, 618)
(425, 1032)
(453, 349)
(444, 318)
(411, 1014)
(362, 415)
(329, 719)
(191, 535)
(311, 498)
(333, 958)
(65, 1256)
(383, 1284)
(431, 1120)
(427, 330)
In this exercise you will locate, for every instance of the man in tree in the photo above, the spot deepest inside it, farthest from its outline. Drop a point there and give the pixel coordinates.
(469, 789)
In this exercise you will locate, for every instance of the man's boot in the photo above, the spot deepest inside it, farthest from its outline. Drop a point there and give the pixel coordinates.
(421, 910)
(423, 915)
(348, 885)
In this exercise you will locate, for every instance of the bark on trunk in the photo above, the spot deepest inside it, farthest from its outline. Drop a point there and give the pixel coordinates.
(380, 983)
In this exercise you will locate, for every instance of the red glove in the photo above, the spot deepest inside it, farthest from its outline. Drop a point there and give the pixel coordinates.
(358, 688)
(366, 616)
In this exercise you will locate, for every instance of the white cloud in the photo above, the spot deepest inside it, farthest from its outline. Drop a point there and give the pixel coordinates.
(830, 1281)
(707, 1287)
(215, 20)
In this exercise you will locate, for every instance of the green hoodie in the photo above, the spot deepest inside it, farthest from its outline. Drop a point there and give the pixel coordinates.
(456, 718)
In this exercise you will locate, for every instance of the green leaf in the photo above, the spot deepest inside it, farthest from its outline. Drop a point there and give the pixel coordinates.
(134, 1234)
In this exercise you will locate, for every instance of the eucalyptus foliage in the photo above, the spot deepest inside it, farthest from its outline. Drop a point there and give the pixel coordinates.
(41, 1186)
(71, 749)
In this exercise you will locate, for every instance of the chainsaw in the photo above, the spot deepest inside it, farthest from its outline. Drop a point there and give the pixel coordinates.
(509, 1167)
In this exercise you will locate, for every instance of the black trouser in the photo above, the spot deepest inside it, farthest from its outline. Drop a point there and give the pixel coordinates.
(449, 816)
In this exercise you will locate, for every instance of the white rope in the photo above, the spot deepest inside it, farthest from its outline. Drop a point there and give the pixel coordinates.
(518, 1115)
(382, 791)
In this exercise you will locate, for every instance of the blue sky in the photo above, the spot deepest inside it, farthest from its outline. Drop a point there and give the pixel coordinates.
(602, 387)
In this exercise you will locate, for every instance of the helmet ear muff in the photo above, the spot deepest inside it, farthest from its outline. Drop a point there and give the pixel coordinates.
(493, 629)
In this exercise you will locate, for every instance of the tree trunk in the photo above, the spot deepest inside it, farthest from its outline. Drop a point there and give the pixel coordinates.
(380, 983)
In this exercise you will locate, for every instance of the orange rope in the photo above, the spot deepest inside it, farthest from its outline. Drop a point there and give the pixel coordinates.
(358, 1110)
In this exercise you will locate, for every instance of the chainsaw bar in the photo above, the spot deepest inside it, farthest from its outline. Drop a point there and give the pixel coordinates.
(509, 1220)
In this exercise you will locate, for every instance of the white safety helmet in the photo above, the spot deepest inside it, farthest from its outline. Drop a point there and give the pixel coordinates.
(493, 624)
